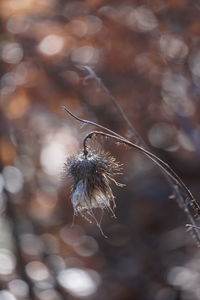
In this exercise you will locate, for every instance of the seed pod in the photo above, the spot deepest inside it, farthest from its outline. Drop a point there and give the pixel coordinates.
(92, 175)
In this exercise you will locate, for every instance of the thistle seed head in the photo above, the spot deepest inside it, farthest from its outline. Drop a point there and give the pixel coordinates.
(92, 175)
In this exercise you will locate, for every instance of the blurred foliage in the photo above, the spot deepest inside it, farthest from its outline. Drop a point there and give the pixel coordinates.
(147, 54)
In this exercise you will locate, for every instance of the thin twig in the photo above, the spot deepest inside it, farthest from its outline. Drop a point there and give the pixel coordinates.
(93, 75)
(90, 122)
(165, 167)
(192, 226)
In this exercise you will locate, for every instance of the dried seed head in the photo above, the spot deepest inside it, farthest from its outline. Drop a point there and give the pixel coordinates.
(92, 175)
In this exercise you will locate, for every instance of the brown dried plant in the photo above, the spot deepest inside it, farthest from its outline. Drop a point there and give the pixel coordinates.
(92, 173)
(92, 190)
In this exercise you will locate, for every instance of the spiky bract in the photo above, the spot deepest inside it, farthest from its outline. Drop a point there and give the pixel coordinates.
(92, 175)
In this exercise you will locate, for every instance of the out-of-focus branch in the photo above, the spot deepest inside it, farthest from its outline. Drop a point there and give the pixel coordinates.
(93, 75)
(21, 263)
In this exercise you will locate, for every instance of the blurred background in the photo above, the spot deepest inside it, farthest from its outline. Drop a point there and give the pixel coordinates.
(147, 54)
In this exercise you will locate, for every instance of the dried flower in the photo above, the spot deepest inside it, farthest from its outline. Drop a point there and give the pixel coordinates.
(92, 175)
(92, 196)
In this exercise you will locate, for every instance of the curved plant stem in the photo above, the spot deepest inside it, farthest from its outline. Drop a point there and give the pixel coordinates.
(165, 167)
(90, 122)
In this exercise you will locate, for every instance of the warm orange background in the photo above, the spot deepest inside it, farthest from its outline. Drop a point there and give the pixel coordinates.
(147, 53)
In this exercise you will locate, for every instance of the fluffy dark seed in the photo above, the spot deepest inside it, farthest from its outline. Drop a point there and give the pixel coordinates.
(92, 176)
